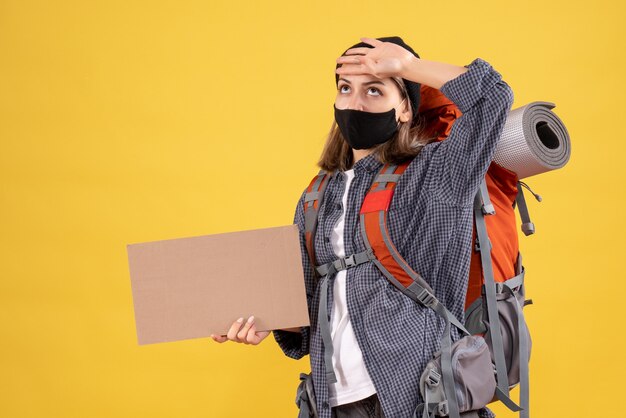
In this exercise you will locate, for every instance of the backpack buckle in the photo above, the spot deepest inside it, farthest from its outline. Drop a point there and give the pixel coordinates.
(344, 263)
(499, 287)
(349, 261)
(426, 298)
(433, 378)
(442, 408)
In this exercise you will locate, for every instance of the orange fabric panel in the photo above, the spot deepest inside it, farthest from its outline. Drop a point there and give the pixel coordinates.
(439, 114)
(376, 201)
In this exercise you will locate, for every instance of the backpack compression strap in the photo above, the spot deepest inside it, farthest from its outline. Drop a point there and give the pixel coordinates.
(373, 216)
(482, 208)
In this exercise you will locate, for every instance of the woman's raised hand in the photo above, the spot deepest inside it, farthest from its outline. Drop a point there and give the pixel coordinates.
(242, 333)
(385, 59)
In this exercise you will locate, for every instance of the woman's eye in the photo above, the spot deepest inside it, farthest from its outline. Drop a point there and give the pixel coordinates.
(375, 90)
(342, 90)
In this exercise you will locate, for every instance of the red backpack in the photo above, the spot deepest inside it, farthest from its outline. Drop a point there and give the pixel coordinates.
(495, 295)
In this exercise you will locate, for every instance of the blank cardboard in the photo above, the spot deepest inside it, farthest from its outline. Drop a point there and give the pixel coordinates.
(194, 287)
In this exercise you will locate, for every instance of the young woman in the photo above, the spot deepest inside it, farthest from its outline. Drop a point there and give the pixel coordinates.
(381, 339)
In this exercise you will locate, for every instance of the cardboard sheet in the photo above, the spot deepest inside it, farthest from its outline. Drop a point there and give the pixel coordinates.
(194, 287)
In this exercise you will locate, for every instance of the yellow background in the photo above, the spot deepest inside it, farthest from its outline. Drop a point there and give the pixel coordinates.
(133, 121)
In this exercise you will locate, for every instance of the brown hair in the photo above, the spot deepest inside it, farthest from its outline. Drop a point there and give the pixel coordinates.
(403, 146)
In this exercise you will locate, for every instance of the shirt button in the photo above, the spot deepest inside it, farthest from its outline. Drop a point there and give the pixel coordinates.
(325, 405)
(338, 206)
(327, 239)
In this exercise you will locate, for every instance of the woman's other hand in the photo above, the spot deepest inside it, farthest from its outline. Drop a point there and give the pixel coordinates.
(385, 59)
(242, 333)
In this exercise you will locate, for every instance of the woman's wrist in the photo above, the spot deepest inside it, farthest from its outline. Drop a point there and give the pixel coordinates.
(411, 69)
(431, 73)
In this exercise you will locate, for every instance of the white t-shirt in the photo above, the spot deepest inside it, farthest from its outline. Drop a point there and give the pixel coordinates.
(353, 380)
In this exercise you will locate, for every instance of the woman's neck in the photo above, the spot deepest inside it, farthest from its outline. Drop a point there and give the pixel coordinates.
(358, 154)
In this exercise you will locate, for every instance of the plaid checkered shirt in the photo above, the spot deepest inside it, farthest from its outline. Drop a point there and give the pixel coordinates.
(430, 223)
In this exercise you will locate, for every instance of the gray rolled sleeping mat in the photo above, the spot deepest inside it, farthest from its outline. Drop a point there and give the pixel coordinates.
(534, 140)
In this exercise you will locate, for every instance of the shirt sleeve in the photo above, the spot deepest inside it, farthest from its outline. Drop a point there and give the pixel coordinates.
(460, 162)
(293, 344)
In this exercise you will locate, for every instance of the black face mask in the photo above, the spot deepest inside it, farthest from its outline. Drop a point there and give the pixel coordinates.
(363, 130)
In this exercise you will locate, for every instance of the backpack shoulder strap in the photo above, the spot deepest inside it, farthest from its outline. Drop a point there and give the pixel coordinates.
(373, 216)
(312, 201)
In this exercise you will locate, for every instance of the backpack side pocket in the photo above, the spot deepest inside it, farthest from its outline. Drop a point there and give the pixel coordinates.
(510, 302)
(474, 379)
